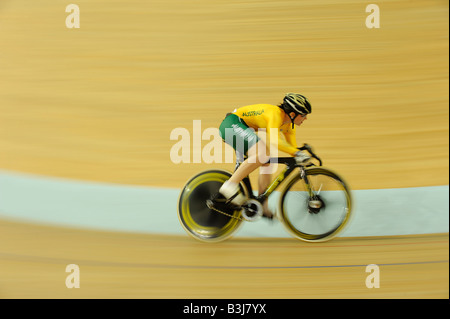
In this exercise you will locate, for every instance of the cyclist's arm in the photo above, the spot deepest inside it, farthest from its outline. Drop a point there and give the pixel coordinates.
(288, 145)
(290, 137)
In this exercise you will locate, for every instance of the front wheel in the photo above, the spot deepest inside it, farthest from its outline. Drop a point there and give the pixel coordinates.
(316, 211)
(197, 218)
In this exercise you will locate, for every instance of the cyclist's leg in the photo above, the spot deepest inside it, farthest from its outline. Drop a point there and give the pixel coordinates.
(256, 156)
(264, 180)
(235, 132)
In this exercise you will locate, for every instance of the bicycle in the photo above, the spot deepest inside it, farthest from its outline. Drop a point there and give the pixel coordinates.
(314, 205)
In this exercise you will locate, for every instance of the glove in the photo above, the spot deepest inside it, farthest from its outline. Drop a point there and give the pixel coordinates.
(301, 157)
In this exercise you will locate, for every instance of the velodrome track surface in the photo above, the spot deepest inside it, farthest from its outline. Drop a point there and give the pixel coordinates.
(99, 103)
(119, 265)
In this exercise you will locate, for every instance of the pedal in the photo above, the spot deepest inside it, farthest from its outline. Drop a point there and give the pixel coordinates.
(209, 203)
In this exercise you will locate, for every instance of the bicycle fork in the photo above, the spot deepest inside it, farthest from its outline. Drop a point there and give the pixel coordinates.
(315, 203)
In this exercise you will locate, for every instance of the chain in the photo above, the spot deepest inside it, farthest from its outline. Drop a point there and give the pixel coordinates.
(226, 214)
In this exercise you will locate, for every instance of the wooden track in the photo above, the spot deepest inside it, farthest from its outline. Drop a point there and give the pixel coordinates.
(99, 104)
(33, 260)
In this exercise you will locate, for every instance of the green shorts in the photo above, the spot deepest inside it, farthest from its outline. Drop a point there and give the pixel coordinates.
(236, 133)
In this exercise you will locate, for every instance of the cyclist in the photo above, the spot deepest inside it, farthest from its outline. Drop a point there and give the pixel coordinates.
(238, 130)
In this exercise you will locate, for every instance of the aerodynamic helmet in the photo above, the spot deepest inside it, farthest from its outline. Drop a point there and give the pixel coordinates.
(296, 103)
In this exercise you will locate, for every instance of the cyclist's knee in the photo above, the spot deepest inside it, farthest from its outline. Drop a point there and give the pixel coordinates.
(262, 154)
(263, 158)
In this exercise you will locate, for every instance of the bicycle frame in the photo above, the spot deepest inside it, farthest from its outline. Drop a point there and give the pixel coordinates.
(291, 165)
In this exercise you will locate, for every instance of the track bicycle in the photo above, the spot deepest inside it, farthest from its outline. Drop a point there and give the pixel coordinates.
(314, 203)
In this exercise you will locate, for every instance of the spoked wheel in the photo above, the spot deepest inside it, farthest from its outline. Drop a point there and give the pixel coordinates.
(320, 213)
(200, 221)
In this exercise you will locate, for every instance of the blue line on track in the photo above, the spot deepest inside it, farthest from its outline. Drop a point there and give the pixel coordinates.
(27, 258)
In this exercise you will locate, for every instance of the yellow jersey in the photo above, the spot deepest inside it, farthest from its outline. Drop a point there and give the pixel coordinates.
(267, 116)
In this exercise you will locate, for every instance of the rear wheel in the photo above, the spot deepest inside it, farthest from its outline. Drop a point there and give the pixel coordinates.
(197, 218)
(318, 212)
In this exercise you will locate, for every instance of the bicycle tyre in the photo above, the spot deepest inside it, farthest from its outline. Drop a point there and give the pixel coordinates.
(196, 218)
(332, 198)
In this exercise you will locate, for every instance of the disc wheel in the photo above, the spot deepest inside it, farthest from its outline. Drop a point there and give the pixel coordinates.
(197, 219)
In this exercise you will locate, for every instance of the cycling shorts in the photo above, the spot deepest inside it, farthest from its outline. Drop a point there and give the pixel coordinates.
(236, 133)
